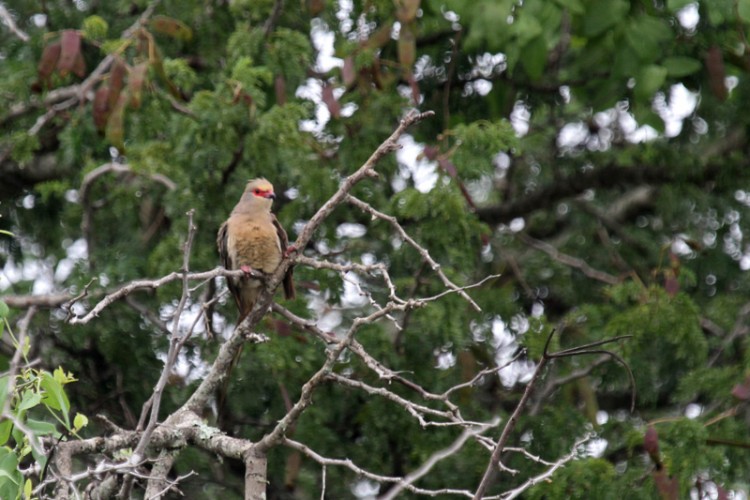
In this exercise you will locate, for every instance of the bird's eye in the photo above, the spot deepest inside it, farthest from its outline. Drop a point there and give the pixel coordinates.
(256, 191)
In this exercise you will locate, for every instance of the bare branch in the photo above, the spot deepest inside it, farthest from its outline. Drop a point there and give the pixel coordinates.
(489, 474)
(85, 189)
(511, 423)
(439, 455)
(422, 251)
(508, 495)
(415, 410)
(133, 286)
(569, 260)
(347, 463)
(553, 384)
(8, 20)
(175, 343)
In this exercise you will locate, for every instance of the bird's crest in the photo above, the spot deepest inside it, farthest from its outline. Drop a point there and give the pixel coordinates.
(259, 183)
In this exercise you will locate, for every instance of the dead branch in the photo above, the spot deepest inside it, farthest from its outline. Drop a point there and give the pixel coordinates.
(8, 20)
(547, 356)
(569, 260)
(422, 251)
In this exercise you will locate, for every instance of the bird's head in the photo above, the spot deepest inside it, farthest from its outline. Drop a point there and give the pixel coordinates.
(259, 192)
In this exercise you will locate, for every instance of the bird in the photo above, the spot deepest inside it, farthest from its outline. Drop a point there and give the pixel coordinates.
(252, 239)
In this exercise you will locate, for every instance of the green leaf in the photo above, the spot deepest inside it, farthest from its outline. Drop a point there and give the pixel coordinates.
(27, 488)
(95, 28)
(645, 35)
(574, 6)
(534, 58)
(4, 310)
(10, 476)
(680, 66)
(675, 5)
(171, 27)
(5, 428)
(599, 19)
(80, 421)
(41, 428)
(63, 377)
(55, 397)
(648, 81)
(526, 28)
(28, 400)
(743, 9)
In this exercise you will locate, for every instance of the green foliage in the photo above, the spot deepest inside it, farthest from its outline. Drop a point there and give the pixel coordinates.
(586, 478)
(539, 108)
(35, 397)
(95, 28)
(477, 145)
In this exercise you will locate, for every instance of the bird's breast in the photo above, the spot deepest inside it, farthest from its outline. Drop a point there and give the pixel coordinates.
(253, 243)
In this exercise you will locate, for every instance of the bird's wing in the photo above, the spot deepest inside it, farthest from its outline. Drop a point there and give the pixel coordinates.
(289, 292)
(222, 243)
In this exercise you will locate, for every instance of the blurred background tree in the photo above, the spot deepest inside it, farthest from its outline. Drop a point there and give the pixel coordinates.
(593, 155)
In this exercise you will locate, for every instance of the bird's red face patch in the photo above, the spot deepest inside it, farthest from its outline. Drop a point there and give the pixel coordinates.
(263, 192)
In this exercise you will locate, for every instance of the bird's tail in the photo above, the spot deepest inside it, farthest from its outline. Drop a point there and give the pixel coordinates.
(223, 405)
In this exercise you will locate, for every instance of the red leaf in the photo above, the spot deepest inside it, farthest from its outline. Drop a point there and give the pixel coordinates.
(70, 43)
(135, 83)
(671, 284)
(406, 10)
(415, 94)
(330, 101)
(48, 61)
(79, 67)
(651, 444)
(716, 72)
(407, 46)
(668, 487)
(315, 7)
(116, 80)
(347, 73)
(722, 493)
(279, 85)
(380, 37)
(101, 108)
(115, 130)
(430, 152)
(171, 27)
(742, 391)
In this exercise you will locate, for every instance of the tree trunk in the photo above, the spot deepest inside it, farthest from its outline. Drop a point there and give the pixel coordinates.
(255, 475)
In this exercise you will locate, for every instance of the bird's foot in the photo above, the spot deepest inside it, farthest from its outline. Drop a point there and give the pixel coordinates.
(291, 249)
(246, 269)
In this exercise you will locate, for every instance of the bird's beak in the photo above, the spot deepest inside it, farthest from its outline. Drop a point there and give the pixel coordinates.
(270, 195)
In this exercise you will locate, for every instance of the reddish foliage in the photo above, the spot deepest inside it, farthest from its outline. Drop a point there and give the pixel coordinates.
(742, 391)
(330, 101)
(70, 43)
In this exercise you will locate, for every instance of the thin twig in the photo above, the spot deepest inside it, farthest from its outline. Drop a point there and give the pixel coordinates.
(569, 260)
(8, 20)
(422, 251)
(439, 455)
(515, 492)
(547, 356)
